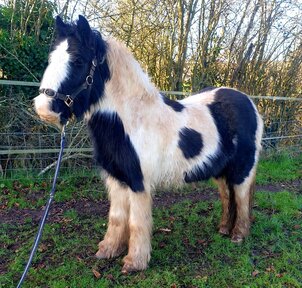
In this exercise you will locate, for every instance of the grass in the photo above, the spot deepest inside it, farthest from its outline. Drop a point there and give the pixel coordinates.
(280, 167)
(187, 250)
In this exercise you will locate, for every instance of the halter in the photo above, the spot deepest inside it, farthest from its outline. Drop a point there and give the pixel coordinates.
(69, 99)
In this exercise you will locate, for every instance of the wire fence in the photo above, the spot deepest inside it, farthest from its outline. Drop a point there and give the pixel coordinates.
(34, 154)
(27, 152)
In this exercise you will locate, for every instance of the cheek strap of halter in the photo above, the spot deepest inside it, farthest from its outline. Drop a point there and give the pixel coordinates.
(69, 99)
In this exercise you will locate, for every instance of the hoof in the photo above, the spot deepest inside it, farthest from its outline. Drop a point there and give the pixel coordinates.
(100, 254)
(223, 230)
(128, 269)
(237, 239)
(133, 266)
(107, 251)
(239, 234)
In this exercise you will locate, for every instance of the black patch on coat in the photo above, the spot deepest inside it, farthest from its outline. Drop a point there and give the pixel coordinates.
(212, 168)
(236, 121)
(175, 105)
(114, 151)
(190, 142)
(84, 45)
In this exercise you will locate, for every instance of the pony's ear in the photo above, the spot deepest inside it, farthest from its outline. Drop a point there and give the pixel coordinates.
(84, 29)
(61, 27)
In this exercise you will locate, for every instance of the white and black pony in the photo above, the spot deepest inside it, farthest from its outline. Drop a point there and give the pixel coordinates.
(143, 139)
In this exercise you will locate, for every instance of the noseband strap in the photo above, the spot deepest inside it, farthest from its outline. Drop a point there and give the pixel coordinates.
(69, 99)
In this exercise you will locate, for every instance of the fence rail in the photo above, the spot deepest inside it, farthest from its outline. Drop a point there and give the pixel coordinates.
(44, 151)
(26, 153)
(19, 83)
(90, 150)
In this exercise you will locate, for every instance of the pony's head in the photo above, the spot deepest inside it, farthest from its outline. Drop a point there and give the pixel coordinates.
(75, 77)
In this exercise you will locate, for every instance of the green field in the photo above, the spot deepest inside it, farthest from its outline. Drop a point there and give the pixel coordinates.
(187, 250)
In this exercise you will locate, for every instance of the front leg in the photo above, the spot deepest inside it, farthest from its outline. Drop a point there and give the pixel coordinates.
(117, 235)
(140, 226)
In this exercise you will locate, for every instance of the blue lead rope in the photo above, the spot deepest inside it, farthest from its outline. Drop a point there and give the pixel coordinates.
(51, 196)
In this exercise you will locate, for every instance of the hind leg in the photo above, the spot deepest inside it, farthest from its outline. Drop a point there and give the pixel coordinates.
(117, 235)
(228, 206)
(244, 200)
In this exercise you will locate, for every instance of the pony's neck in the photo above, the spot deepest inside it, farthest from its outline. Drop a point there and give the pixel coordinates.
(128, 88)
(128, 81)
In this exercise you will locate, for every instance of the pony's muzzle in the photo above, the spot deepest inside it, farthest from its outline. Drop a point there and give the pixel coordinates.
(42, 105)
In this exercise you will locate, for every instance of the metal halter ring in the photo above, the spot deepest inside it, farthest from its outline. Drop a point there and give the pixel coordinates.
(89, 80)
(48, 92)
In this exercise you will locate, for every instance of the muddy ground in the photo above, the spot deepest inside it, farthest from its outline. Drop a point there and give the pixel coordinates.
(89, 208)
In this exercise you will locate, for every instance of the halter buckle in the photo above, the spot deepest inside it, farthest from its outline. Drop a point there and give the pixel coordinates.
(68, 101)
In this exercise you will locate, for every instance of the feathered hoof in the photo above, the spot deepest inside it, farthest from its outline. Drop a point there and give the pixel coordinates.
(131, 265)
(107, 250)
(239, 234)
(225, 231)
(237, 238)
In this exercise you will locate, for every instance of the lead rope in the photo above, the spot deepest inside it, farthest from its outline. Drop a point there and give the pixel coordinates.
(51, 196)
